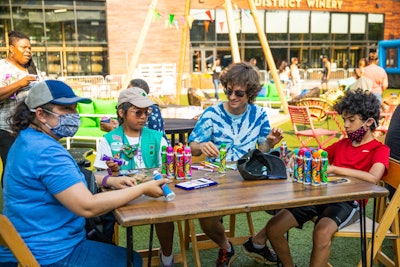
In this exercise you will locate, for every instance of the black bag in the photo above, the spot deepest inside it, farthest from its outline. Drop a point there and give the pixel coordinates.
(100, 228)
(256, 165)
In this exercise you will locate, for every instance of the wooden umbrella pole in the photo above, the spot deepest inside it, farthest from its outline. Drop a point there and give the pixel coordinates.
(268, 56)
(232, 32)
(139, 45)
(185, 36)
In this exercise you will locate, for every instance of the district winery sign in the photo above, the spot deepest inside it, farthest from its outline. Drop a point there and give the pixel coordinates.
(319, 4)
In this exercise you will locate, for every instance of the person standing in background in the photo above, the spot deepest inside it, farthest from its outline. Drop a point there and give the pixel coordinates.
(295, 88)
(284, 72)
(216, 68)
(362, 63)
(17, 71)
(377, 75)
(326, 73)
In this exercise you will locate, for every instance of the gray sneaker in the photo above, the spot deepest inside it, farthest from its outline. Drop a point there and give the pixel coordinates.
(264, 255)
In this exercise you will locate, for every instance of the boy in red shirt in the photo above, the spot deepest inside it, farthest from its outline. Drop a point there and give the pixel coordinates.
(360, 156)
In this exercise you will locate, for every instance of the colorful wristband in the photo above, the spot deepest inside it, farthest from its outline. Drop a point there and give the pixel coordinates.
(104, 181)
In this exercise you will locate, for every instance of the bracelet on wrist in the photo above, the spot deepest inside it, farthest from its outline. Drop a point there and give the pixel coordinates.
(104, 181)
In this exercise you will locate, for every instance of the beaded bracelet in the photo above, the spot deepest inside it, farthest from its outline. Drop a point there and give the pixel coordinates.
(104, 181)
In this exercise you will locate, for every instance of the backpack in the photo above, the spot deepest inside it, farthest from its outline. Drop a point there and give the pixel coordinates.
(99, 228)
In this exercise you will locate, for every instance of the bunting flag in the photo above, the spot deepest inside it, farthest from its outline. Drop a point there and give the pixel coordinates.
(208, 12)
(238, 24)
(171, 18)
(156, 14)
(171, 21)
(206, 25)
(247, 13)
(221, 25)
(190, 20)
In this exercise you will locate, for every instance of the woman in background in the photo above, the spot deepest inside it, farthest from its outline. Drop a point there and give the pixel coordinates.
(17, 71)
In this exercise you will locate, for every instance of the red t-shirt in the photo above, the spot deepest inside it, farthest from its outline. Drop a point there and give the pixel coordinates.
(343, 154)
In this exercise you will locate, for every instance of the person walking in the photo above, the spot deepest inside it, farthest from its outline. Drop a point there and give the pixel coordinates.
(326, 73)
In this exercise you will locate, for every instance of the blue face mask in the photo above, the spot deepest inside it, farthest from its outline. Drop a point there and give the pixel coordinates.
(67, 126)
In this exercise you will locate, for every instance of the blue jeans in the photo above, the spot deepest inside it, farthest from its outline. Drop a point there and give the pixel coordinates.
(90, 253)
(216, 85)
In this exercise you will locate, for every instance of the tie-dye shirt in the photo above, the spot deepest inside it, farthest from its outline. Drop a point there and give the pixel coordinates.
(239, 132)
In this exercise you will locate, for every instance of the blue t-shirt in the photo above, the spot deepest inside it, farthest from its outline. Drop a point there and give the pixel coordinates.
(239, 132)
(38, 167)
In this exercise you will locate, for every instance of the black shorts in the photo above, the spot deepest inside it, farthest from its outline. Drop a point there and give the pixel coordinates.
(342, 213)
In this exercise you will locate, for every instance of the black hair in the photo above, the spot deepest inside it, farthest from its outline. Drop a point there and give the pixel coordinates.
(124, 107)
(142, 84)
(244, 75)
(23, 117)
(362, 103)
(14, 37)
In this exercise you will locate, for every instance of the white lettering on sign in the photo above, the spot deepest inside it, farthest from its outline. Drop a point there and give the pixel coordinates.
(329, 4)
(317, 4)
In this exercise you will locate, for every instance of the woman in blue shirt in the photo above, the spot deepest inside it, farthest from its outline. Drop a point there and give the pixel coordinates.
(45, 194)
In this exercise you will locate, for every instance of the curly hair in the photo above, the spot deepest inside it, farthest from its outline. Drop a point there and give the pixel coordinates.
(23, 117)
(362, 103)
(244, 75)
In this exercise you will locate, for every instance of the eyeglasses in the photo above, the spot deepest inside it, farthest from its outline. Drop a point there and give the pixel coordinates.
(238, 93)
(140, 112)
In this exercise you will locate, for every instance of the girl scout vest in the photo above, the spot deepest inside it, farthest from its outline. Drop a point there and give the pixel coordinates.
(149, 145)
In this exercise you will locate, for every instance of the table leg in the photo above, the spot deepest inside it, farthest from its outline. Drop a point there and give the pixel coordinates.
(363, 233)
(194, 243)
(150, 245)
(182, 243)
(129, 247)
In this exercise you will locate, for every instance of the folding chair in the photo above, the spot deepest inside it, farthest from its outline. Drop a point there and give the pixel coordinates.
(384, 122)
(200, 241)
(317, 107)
(386, 225)
(301, 117)
(10, 238)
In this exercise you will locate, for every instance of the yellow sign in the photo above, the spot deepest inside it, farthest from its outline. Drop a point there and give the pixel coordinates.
(312, 4)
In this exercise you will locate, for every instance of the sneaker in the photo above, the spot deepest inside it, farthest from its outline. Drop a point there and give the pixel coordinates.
(162, 263)
(264, 255)
(225, 258)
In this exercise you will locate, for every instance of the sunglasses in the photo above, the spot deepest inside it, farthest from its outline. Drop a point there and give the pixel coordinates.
(229, 92)
(140, 112)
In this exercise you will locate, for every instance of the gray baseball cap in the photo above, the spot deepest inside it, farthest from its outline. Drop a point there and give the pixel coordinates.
(52, 91)
(136, 96)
